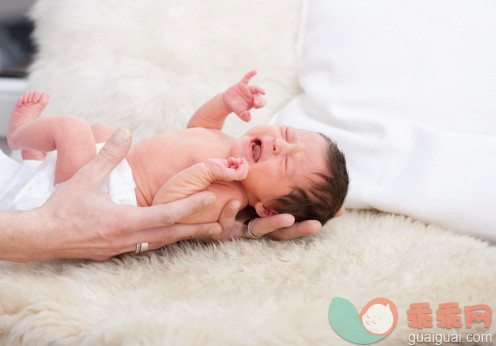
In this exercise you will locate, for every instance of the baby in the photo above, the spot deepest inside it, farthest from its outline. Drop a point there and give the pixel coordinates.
(273, 168)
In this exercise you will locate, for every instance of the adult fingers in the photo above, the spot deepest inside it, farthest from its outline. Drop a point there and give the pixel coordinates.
(161, 236)
(111, 154)
(227, 218)
(247, 77)
(166, 214)
(265, 225)
(297, 230)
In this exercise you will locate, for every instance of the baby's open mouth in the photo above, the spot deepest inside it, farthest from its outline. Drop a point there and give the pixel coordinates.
(256, 149)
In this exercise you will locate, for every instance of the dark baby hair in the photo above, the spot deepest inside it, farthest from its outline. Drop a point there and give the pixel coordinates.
(325, 196)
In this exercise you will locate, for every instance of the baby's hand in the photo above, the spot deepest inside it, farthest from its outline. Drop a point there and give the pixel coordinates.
(241, 97)
(228, 170)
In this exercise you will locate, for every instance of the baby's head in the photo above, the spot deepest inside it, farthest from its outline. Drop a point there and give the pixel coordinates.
(292, 171)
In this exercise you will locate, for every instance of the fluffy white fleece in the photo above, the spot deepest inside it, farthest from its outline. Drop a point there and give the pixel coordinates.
(148, 65)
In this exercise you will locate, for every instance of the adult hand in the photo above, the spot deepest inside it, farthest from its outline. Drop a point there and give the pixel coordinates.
(80, 221)
(279, 227)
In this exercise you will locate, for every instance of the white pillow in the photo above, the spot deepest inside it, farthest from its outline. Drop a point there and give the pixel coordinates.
(407, 89)
(432, 62)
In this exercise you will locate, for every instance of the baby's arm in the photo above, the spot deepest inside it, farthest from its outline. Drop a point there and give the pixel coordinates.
(200, 177)
(211, 115)
(239, 98)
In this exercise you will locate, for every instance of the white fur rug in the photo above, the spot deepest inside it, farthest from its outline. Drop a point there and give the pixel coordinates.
(148, 65)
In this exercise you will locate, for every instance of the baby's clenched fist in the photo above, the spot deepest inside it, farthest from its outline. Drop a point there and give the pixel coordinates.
(228, 170)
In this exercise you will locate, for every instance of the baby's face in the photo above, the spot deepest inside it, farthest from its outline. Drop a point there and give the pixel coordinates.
(280, 158)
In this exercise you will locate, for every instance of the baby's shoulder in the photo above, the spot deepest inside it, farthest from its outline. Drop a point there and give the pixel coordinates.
(226, 191)
(203, 132)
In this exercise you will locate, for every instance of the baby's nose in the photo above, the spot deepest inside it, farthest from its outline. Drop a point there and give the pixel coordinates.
(275, 147)
(278, 146)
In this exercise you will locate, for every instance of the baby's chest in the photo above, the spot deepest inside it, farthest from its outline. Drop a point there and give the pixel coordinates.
(179, 152)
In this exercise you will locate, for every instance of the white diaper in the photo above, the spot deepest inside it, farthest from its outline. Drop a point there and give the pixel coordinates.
(32, 184)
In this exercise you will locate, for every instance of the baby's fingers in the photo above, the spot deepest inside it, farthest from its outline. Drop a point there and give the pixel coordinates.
(245, 116)
(258, 101)
(234, 162)
(239, 168)
(243, 169)
(256, 90)
(247, 77)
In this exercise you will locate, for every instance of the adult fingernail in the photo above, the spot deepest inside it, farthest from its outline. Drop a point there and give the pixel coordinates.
(316, 226)
(209, 200)
(121, 136)
(215, 230)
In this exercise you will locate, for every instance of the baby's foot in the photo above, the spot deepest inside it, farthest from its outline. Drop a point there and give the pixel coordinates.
(28, 107)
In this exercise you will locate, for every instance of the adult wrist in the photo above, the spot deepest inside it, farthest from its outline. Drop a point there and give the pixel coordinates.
(45, 233)
(17, 236)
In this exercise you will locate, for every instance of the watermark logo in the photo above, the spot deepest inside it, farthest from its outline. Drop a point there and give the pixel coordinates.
(374, 323)
(378, 319)
(449, 316)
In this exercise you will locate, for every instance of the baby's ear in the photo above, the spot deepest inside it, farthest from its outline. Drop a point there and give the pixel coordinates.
(264, 210)
(339, 213)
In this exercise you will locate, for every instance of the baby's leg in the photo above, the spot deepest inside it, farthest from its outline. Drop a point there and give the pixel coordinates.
(21, 117)
(102, 132)
(69, 135)
(33, 155)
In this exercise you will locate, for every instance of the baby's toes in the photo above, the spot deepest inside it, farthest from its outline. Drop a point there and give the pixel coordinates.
(25, 96)
(44, 97)
(36, 96)
(30, 97)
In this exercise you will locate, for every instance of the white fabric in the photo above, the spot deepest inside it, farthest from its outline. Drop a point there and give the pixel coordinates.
(13, 177)
(407, 90)
(29, 184)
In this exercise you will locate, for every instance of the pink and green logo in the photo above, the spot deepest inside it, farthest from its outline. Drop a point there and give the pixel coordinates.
(376, 321)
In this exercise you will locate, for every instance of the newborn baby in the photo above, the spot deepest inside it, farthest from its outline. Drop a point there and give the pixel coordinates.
(273, 168)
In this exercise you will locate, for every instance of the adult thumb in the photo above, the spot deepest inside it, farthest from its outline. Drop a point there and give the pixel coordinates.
(110, 155)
